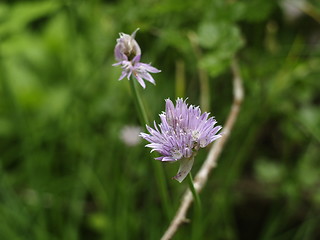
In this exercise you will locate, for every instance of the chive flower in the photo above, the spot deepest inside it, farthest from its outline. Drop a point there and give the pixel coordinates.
(127, 53)
(182, 132)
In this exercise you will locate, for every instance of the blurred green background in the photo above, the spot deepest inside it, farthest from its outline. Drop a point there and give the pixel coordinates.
(66, 173)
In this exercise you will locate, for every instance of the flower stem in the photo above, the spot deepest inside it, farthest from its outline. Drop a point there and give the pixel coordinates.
(160, 176)
(196, 223)
(195, 195)
(139, 104)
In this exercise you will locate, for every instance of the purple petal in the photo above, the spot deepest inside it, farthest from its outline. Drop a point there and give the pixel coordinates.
(117, 64)
(129, 75)
(147, 77)
(123, 74)
(136, 59)
(118, 54)
(168, 159)
(140, 80)
(149, 68)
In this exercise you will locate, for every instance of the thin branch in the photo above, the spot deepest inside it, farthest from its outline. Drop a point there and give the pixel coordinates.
(211, 160)
(310, 10)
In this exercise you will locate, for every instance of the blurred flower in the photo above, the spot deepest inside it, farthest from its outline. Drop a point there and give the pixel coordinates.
(130, 135)
(128, 53)
(182, 132)
(292, 9)
(127, 47)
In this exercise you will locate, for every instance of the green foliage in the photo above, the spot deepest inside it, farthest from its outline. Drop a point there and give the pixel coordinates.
(66, 174)
(222, 40)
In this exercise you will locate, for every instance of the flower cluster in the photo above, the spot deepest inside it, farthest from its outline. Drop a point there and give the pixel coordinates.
(182, 132)
(128, 53)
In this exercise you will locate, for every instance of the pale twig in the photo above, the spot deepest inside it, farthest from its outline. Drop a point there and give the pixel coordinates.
(211, 160)
(309, 9)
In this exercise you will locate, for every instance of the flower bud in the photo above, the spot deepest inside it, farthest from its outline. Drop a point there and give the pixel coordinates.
(127, 47)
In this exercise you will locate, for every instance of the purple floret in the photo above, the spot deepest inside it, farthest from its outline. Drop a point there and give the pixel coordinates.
(128, 53)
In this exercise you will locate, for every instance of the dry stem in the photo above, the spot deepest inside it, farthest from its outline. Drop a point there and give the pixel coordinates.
(211, 160)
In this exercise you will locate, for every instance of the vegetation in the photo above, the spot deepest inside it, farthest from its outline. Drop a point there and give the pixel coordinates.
(66, 174)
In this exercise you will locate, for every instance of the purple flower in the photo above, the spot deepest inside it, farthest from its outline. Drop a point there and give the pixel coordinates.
(128, 53)
(127, 47)
(182, 132)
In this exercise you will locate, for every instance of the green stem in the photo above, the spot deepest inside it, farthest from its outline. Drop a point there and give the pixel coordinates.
(160, 176)
(196, 223)
(139, 104)
(195, 195)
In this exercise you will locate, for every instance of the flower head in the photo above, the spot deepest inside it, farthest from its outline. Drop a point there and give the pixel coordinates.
(182, 132)
(127, 52)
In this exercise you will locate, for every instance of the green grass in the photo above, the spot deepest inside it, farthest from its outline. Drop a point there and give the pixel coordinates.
(66, 174)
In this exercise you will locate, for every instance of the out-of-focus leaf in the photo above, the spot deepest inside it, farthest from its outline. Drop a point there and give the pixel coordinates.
(309, 117)
(55, 101)
(258, 10)
(210, 34)
(308, 172)
(176, 39)
(56, 34)
(99, 222)
(268, 171)
(6, 127)
(23, 13)
(25, 85)
(222, 39)
(214, 64)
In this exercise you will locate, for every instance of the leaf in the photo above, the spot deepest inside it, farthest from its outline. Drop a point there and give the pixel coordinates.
(23, 13)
